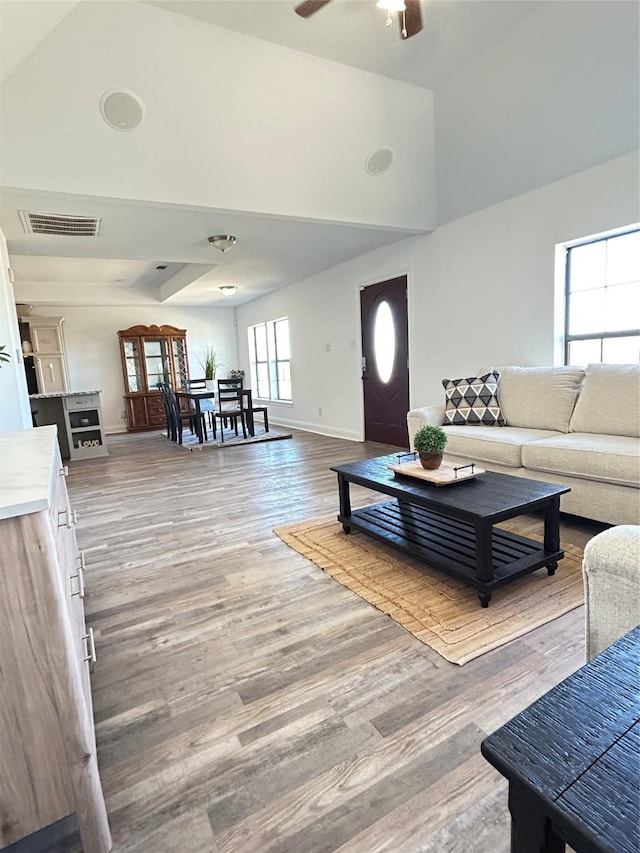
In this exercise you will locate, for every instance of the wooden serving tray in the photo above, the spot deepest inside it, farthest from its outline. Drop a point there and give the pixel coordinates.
(445, 475)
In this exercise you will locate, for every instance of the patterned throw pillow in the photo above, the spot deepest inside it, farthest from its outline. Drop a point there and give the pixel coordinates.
(473, 401)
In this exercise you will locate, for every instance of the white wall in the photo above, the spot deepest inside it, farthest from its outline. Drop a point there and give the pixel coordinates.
(93, 351)
(232, 122)
(15, 412)
(481, 293)
(559, 95)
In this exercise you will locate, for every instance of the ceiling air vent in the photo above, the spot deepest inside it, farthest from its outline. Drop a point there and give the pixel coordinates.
(64, 226)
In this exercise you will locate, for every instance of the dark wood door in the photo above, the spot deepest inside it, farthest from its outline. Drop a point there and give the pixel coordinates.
(385, 367)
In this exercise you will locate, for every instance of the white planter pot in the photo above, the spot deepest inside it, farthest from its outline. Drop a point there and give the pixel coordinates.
(210, 384)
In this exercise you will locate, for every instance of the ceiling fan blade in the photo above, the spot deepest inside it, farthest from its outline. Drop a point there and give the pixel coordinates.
(309, 7)
(411, 19)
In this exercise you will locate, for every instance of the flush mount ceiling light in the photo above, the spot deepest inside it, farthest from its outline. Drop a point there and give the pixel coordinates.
(223, 242)
(228, 289)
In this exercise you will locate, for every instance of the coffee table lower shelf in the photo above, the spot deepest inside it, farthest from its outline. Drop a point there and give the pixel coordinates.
(449, 544)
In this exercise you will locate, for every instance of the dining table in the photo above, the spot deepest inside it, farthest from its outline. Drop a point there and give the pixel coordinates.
(198, 394)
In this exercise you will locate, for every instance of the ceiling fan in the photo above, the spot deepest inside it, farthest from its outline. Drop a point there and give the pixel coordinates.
(409, 15)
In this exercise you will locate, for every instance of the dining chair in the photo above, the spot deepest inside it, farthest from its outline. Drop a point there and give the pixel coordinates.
(259, 408)
(230, 406)
(229, 384)
(164, 389)
(178, 418)
(207, 406)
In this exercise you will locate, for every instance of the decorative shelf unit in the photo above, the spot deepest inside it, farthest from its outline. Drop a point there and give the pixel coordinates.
(151, 354)
(84, 427)
(77, 416)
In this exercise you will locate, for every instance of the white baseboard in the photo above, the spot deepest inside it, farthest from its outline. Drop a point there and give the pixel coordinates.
(320, 429)
(304, 426)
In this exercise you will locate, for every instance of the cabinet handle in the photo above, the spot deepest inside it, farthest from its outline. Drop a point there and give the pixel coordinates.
(70, 517)
(80, 590)
(64, 471)
(91, 647)
(51, 372)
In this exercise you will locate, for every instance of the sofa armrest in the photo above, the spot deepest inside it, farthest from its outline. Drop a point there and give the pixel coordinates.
(611, 572)
(425, 415)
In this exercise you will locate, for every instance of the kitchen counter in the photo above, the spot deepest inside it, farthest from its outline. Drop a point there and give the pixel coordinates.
(62, 394)
(26, 481)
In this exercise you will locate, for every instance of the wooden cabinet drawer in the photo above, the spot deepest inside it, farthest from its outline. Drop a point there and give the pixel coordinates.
(156, 412)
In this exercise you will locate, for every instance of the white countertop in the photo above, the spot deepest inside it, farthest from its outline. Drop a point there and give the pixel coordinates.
(62, 394)
(26, 484)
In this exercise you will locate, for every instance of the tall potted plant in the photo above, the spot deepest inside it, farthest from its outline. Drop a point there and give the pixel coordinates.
(429, 441)
(209, 365)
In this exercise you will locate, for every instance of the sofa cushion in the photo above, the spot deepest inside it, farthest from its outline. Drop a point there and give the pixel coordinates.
(501, 445)
(473, 401)
(609, 401)
(539, 397)
(607, 458)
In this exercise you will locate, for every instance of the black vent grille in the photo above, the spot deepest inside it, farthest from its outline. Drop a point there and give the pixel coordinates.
(65, 226)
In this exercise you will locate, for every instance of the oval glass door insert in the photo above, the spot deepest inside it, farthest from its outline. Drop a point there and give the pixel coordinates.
(384, 342)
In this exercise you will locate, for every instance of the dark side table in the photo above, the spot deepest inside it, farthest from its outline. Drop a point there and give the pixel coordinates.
(573, 759)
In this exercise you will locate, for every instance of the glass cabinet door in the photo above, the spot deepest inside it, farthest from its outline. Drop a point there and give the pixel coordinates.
(133, 368)
(180, 362)
(156, 361)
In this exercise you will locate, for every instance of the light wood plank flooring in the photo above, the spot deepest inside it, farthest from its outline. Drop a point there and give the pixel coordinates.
(245, 701)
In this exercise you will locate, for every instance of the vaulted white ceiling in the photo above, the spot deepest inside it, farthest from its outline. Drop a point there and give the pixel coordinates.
(259, 123)
(353, 32)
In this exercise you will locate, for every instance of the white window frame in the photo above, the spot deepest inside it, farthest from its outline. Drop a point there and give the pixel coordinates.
(601, 335)
(273, 361)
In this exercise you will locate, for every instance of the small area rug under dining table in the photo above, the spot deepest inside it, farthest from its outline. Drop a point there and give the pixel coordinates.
(190, 442)
(439, 610)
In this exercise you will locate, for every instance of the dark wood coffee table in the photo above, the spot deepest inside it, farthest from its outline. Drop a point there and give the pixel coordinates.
(452, 527)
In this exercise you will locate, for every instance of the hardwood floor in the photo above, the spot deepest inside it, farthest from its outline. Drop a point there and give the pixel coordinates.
(245, 701)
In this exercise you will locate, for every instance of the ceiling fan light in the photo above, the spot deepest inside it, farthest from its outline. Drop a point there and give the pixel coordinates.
(391, 5)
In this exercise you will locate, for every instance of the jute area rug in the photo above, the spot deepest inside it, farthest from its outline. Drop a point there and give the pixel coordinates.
(440, 611)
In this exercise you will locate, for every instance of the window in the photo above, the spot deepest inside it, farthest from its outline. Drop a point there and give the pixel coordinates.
(603, 299)
(270, 360)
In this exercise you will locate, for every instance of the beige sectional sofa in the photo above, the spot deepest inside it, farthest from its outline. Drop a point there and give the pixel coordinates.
(571, 425)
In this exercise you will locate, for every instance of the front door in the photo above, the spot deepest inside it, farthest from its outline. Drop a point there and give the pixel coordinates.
(385, 367)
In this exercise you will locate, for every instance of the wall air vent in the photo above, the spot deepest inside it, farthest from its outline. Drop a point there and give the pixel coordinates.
(60, 225)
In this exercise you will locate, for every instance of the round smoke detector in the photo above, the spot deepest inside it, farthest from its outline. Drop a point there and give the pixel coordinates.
(121, 109)
(379, 161)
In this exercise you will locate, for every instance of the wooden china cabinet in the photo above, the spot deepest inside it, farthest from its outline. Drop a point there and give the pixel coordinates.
(151, 354)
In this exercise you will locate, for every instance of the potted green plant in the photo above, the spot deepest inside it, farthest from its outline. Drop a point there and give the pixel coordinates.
(429, 442)
(236, 374)
(210, 365)
(4, 356)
